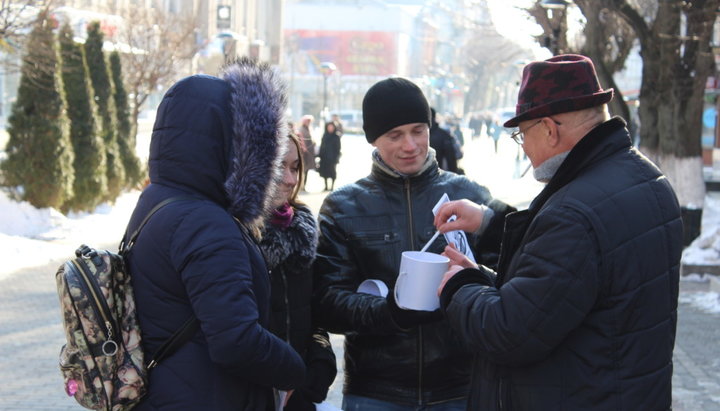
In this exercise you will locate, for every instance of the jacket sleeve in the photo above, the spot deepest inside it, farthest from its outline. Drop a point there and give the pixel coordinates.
(553, 286)
(337, 306)
(487, 246)
(214, 263)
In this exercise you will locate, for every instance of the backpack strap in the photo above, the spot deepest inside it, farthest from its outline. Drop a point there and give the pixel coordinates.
(126, 246)
(177, 340)
(186, 332)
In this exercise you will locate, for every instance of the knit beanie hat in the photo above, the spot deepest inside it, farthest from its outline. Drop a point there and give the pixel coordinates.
(390, 103)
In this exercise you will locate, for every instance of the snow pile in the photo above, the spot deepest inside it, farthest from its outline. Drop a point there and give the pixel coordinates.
(33, 237)
(705, 250)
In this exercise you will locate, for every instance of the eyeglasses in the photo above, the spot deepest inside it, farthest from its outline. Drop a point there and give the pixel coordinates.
(519, 136)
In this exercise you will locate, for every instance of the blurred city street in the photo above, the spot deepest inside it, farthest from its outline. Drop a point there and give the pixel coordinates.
(31, 333)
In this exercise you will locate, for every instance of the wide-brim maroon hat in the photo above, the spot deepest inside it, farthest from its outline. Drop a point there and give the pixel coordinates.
(560, 84)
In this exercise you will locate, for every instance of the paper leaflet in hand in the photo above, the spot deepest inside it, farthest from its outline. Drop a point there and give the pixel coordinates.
(457, 237)
(279, 397)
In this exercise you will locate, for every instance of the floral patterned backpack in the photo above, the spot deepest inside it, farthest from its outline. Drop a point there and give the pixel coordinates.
(103, 363)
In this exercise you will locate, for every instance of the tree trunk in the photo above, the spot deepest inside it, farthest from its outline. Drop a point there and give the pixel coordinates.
(675, 69)
(608, 41)
(677, 60)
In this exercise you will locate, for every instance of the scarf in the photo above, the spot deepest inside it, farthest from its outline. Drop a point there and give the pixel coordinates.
(429, 160)
(282, 216)
(547, 170)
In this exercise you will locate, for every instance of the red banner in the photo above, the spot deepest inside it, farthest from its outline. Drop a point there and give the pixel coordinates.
(353, 52)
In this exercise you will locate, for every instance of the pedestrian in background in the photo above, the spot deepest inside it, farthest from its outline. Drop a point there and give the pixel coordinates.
(395, 359)
(308, 147)
(329, 155)
(582, 311)
(338, 125)
(444, 145)
(216, 142)
(288, 243)
(456, 131)
(475, 124)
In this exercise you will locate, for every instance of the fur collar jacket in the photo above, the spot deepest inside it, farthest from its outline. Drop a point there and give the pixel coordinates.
(296, 244)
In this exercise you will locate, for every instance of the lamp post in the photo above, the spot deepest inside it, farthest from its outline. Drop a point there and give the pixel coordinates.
(557, 19)
(326, 68)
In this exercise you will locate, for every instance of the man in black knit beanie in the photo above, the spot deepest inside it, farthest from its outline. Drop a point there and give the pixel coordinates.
(395, 358)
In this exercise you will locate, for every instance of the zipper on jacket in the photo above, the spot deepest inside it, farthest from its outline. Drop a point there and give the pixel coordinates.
(500, 402)
(410, 214)
(287, 307)
(98, 304)
(408, 199)
(420, 363)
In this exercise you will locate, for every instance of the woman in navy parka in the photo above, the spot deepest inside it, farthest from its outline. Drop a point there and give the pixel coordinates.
(217, 141)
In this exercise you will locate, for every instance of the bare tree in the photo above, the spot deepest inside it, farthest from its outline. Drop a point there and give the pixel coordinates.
(606, 38)
(490, 59)
(16, 21)
(675, 46)
(160, 44)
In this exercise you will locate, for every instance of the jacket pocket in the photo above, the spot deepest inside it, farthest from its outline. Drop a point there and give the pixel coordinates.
(376, 252)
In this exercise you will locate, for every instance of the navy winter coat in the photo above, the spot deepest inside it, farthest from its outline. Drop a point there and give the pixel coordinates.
(582, 314)
(217, 141)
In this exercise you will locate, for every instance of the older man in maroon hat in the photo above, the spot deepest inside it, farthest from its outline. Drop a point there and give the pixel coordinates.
(582, 310)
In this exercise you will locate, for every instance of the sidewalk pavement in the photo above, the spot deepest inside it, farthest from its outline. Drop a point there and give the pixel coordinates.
(31, 336)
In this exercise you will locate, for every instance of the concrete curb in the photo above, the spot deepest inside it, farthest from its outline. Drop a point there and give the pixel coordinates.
(714, 283)
(686, 269)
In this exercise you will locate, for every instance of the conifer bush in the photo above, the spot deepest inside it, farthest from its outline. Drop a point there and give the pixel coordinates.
(90, 180)
(101, 85)
(125, 132)
(38, 166)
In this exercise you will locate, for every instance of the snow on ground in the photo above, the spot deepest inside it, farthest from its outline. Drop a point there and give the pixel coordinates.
(31, 237)
(705, 250)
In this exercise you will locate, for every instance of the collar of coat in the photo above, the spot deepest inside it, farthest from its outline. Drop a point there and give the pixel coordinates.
(380, 168)
(298, 241)
(605, 139)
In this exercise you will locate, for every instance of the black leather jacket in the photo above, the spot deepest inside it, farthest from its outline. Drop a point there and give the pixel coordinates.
(364, 228)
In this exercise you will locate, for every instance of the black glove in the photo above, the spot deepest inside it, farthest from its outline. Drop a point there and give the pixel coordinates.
(321, 366)
(299, 402)
(318, 380)
(410, 318)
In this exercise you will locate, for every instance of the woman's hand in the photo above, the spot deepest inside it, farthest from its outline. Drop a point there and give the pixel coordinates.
(469, 216)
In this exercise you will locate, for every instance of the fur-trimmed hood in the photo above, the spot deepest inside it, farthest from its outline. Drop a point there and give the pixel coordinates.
(221, 138)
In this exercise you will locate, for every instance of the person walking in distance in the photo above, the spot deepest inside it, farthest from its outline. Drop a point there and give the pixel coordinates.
(329, 155)
(308, 146)
(338, 124)
(444, 145)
